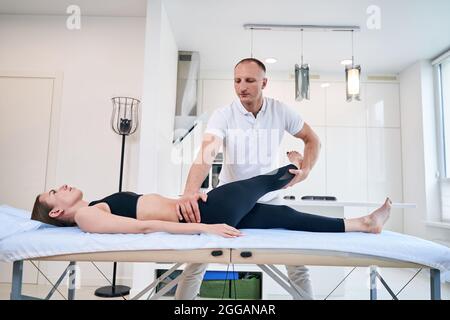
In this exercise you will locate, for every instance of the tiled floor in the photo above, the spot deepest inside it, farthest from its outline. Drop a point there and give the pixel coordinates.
(356, 287)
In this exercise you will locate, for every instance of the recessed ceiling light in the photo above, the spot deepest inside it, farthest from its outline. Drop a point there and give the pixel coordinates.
(271, 60)
(325, 85)
(346, 62)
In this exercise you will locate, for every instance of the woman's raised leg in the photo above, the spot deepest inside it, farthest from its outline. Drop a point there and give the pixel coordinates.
(231, 202)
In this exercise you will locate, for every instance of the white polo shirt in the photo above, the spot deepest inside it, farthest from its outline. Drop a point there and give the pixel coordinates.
(251, 144)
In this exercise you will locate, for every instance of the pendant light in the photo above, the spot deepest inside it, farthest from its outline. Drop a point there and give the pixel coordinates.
(353, 79)
(301, 77)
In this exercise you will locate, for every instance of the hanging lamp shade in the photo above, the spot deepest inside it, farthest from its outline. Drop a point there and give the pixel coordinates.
(353, 81)
(301, 77)
(301, 82)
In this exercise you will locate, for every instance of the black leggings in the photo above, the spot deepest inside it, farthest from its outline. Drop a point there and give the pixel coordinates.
(235, 204)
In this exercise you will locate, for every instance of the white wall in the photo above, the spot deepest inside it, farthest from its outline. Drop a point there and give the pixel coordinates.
(156, 170)
(103, 59)
(420, 183)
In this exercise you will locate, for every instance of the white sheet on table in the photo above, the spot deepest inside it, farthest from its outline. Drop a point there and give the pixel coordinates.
(14, 221)
(44, 240)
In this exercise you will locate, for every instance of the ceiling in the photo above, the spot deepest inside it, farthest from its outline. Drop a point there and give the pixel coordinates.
(410, 29)
(120, 8)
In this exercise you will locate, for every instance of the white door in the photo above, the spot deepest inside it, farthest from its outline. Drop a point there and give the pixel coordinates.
(25, 109)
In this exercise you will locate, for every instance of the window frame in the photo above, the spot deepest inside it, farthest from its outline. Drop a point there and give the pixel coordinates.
(443, 154)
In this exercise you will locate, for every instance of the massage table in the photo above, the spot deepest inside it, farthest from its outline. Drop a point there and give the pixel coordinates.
(22, 239)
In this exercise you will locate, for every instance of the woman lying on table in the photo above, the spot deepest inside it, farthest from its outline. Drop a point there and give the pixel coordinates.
(224, 210)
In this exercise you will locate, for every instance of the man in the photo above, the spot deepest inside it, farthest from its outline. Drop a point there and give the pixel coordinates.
(250, 131)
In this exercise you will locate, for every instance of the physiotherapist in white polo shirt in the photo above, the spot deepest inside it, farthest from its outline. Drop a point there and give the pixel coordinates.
(250, 131)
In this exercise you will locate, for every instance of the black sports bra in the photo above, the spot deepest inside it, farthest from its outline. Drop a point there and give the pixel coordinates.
(121, 203)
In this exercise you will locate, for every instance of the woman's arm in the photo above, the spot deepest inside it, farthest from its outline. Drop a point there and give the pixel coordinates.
(95, 220)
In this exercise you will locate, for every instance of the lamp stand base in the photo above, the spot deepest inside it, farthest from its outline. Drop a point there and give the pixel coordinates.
(112, 292)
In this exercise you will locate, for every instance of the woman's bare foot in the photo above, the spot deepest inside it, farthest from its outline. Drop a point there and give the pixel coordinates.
(295, 157)
(376, 220)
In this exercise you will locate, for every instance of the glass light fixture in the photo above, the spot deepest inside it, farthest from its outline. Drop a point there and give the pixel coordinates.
(301, 78)
(352, 79)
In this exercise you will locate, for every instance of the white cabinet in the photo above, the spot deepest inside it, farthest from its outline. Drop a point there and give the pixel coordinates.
(383, 105)
(339, 112)
(346, 167)
(312, 111)
(315, 184)
(385, 170)
(278, 89)
(384, 164)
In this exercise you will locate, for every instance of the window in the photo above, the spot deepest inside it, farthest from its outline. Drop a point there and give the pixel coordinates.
(442, 66)
(444, 83)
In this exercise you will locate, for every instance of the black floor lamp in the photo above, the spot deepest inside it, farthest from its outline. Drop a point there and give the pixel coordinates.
(124, 121)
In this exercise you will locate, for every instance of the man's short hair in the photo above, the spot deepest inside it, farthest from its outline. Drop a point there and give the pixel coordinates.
(259, 63)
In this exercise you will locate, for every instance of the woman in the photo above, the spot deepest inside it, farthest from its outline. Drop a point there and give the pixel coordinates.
(223, 210)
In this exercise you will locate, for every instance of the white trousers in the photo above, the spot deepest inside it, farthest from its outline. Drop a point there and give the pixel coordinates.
(192, 276)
